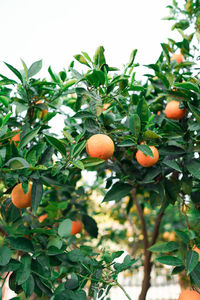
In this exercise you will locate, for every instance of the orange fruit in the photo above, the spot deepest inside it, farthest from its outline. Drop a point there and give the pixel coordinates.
(42, 218)
(15, 138)
(197, 250)
(100, 146)
(179, 58)
(189, 295)
(166, 235)
(19, 198)
(146, 160)
(172, 236)
(172, 110)
(44, 111)
(105, 106)
(76, 227)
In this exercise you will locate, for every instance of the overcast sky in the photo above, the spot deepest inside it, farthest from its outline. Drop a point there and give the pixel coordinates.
(56, 30)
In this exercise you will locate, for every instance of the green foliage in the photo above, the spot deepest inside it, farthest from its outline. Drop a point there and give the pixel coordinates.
(43, 254)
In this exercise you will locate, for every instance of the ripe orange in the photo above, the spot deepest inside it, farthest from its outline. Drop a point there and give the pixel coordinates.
(146, 160)
(179, 58)
(189, 295)
(100, 146)
(44, 111)
(76, 227)
(42, 218)
(105, 106)
(197, 250)
(15, 138)
(19, 198)
(172, 110)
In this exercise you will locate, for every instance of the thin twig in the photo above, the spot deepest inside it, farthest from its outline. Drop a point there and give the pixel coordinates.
(122, 288)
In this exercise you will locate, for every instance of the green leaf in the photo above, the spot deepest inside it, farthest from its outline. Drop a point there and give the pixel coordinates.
(92, 161)
(182, 24)
(149, 134)
(117, 191)
(187, 86)
(195, 275)
(24, 271)
(21, 244)
(193, 168)
(195, 112)
(4, 100)
(56, 242)
(76, 255)
(71, 284)
(96, 78)
(183, 235)
(99, 58)
(132, 58)
(126, 143)
(177, 270)
(35, 68)
(164, 247)
(169, 260)
(84, 114)
(80, 58)
(135, 124)
(90, 225)
(15, 71)
(172, 164)
(5, 255)
(192, 259)
(28, 286)
(17, 163)
(65, 227)
(76, 149)
(54, 77)
(36, 194)
(143, 110)
(28, 137)
(78, 164)
(145, 149)
(57, 144)
(68, 137)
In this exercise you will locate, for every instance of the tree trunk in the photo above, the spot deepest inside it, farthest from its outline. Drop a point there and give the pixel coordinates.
(146, 283)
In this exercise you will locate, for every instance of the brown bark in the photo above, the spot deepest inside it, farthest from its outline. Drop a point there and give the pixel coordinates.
(146, 283)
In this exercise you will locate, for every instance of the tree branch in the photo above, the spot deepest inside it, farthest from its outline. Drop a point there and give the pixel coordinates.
(142, 219)
(156, 228)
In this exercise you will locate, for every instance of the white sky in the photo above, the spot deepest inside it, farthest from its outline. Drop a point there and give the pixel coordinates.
(55, 30)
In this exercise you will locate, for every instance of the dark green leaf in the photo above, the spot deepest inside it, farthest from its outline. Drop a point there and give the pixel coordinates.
(183, 235)
(28, 137)
(90, 225)
(195, 111)
(191, 261)
(172, 164)
(57, 144)
(71, 284)
(195, 274)
(28, 286)
(194, 168)
(135, 125)
(36, 194)
(164, 247)
(24, 271)
(132, 58)
(143, 110)
(187, 86)
(146, 150)
(20, 244)
(5, 255)
(169, 260)
(117, 191)
(92, 161)
(15, 71)
(177, 270)
(4, 100)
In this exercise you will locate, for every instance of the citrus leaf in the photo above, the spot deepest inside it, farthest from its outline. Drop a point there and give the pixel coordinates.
(117, 191)
(192, 259)
(65, 227)
(172, 164)
(164, 247)
(5, 255)
(28, 137)
(57, 144)
(35, 68)
(145, 149)
(169, 260)
(36, 194)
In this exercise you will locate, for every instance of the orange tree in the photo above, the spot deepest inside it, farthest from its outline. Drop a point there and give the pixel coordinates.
(112, 122)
